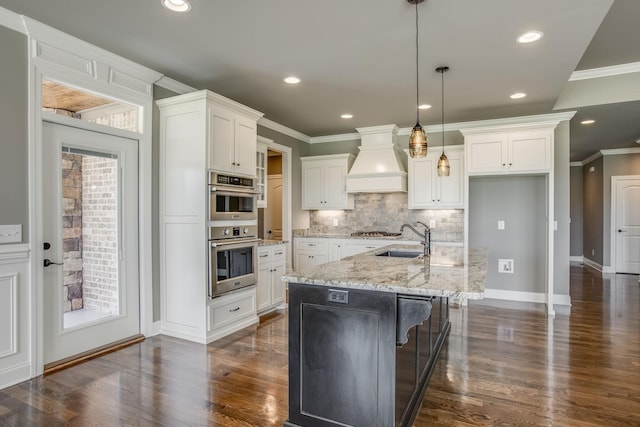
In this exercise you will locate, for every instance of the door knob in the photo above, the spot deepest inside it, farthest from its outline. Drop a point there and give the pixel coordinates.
(48, 262)
(622, 231)
(46, 246)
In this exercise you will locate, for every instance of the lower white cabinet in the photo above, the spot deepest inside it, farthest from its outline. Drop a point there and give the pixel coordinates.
(310, 252)
(230, 313)
(270, 290)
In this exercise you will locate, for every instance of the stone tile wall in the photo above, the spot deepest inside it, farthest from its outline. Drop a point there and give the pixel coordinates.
(72, 231)
(387, 212)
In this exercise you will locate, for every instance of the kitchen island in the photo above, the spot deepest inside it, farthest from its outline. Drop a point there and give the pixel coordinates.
(365, 333)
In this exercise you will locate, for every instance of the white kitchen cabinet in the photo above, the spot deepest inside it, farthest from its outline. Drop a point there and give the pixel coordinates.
(312, 251)
(232, 138)
(309, 252)
(261, 175)
(270, 289)
(324, 184)
(427, 190)
(524, 151)
(186, 135)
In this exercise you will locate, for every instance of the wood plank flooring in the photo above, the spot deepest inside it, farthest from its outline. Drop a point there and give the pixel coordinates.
(504, 364)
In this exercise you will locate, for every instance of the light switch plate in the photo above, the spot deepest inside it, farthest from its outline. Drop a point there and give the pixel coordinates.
(505, 266)
(500, 225)
(432, 223)
(335, 222)
(11, 233)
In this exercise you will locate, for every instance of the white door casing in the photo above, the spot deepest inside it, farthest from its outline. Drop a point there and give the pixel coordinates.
(60, 343)
(625, 221)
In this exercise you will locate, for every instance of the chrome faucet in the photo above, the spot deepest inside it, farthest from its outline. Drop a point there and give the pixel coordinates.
(426, 235)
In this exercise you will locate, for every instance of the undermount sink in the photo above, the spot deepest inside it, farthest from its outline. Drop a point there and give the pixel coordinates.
(400, 254)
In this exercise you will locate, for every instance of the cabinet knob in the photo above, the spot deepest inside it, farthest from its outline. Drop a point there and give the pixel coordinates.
(504, 164)
(510, 164)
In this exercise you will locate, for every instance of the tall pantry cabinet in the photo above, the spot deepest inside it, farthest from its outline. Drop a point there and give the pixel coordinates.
(198, 131)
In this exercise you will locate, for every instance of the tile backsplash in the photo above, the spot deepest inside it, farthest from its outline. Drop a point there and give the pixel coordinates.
(387, 212)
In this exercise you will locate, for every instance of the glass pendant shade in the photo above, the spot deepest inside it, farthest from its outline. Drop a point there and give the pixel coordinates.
(418, 142)
(443, 165)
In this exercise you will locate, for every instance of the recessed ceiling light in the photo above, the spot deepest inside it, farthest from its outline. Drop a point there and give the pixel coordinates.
(292, 80)
(177, 5)
(587, 122)
(529, 37)
(347, 116)
(424, 106)
(518, 95)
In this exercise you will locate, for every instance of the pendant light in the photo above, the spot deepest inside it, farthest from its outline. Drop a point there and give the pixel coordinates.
(443, 162)
(418, 139)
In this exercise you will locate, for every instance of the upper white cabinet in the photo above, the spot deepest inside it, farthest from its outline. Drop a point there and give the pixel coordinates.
(518, 151)
(232, 137)
(427, 190)
(324, 182)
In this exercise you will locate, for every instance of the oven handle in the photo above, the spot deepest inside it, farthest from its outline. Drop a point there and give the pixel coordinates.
(217, 243)
(233, 190)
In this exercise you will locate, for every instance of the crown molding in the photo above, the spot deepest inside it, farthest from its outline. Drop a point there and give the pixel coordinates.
(538, 120)
(618, 151)
(609, 152)
(592, 157)
(174, 85)
(270, 124)
(575, 164)
(613, 70)
(12, 21)
(335, 138)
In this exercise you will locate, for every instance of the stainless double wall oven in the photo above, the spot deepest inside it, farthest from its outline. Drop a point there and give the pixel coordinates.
(233, 233)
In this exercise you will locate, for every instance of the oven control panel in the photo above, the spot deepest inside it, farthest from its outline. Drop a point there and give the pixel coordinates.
(233, 232)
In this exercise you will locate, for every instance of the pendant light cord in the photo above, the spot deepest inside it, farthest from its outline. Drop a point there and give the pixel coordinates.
(442, 75)
(417, 73)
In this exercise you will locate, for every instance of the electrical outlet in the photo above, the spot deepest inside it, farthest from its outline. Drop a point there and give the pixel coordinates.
(505, 266)
(593, 252)
(335, 222)
(432, 223)
(500, 225)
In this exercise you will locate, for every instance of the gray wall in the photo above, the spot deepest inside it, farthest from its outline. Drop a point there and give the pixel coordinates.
(299, 218)
(576, 210)
(521, 202)
(561, 238)
(592, 208)
(14, 178)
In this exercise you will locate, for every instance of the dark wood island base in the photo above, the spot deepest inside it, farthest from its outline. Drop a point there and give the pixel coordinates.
(361, 357)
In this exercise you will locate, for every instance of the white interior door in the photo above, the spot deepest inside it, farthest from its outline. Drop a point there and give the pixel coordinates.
(90, 230)
(273, 213)
(627, 225)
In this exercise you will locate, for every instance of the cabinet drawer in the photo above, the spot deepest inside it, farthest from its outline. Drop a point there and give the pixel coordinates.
(315, 245)
(231, 308)
(278, 254)
(264, 255)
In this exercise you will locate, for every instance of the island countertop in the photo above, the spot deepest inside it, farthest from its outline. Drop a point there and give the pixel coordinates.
(437, 275)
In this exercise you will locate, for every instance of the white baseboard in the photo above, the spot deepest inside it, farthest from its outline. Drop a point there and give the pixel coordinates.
(13, 375)
(156, 327)
(522, 296)
(600, 268)
(576, 258)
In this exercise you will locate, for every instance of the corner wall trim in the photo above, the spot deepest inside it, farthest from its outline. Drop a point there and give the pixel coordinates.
(174, 85)
(270, 124)
(12, 21)
(613, 70)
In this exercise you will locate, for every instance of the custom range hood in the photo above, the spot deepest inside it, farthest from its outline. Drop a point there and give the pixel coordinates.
(380, 164)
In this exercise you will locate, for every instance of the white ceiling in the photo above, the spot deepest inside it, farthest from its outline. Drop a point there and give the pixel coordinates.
(358, 56)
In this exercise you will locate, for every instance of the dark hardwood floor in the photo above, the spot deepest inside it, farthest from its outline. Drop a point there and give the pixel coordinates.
(505, 364)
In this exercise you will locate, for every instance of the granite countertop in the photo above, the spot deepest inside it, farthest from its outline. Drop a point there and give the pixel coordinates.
(443, 275)
(349, 236)
(267, 242)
